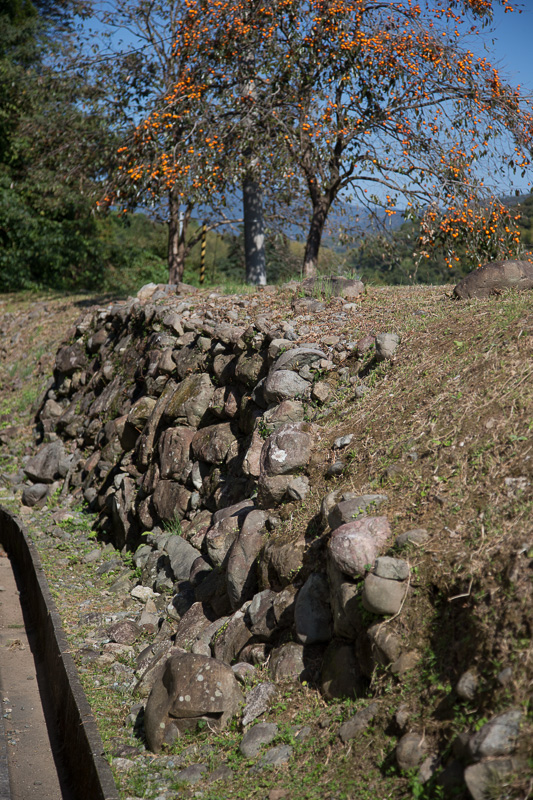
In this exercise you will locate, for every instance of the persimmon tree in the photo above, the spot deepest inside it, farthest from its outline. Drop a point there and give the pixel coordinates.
(133, 53)
(383, 103)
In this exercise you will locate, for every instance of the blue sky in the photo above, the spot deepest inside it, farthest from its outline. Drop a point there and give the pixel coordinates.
(513, 34)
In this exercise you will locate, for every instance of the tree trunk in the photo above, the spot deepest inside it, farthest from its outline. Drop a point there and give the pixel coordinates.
(254, 235)
(314, 237)
(177, 250)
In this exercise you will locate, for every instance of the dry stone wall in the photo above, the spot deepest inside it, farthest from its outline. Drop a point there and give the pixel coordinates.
(186, 433)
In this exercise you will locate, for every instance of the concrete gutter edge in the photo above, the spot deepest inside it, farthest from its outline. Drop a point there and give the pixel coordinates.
(83, 751)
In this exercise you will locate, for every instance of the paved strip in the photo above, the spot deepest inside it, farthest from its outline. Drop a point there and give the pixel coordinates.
(80, 746)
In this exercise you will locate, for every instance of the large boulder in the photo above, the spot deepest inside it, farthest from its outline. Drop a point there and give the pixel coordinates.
(355, 546)
(191, 688)
(494, 277)
(49, 464)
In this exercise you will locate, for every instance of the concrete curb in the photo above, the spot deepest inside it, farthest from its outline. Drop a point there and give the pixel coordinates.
(82, 749)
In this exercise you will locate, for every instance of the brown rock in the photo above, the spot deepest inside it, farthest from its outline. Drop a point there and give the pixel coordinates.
(192, 688)
(493, 277)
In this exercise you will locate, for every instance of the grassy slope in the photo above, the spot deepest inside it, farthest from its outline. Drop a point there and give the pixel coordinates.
(442, 431)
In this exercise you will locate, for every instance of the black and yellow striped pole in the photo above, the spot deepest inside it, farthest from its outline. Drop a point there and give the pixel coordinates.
(202, 253)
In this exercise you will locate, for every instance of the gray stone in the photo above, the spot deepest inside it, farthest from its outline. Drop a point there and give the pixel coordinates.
(287, 662)
(485, 778)
(276, 489)
(386, 346)
(382, 596)
(241, 573)
(411, 750)
(297, 357)
(353, 508)
(70, 358)
(182, 556)
(192, 774)
(192, 623)
(243, 671)
(170, 500)
(281, 561)
(498, 736)
(343, 441)
(312, 613)
(283, 384)
(394, 569)
(286, 450)
(191, 688)
(174, 449)
(467, 685)
(258, 700)
(417, 537)
(493, 277)
(256, 737)
(386, 646)
(221, 773)
(220, 537)
(213, 443)
(190, 400)
(48, 464)
(140, 412)
(276, 756)
(355, 546)
(229, 641)
(356, 724)
(32, 495)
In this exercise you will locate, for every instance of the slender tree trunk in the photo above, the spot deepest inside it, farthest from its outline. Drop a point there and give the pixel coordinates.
(177, 248)
(254, 235)
(314, 237)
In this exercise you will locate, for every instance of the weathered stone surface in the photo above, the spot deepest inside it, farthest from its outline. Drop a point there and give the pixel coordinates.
(286, 450)
(287, 662)
(382, 596)
(192, 687)
(394, 569)
(386, 646)
(257, 736)
(258, 700)
(280, 562)
(191, 625)
(345, 598)
(170, 500)
(213, 443)
(260, 614)
(220, 537)
(358, 723)
(298, 357)
(353, 508)
(241, 570)
(312, 613)
(34, 495)
(284, 384)
(70, 358)
(275, 489)
(275, 757)
(485, 778)
(417, 537)
(284, 412)
(190, 400)
(174, 449)
(341, 675)
(251, 368)
(124, 631)
(190, 359)
(467, 685)
(182, 556)
(411, 750)
(494, 277)
(140, 412)
(386, 346)
(498, 736)
(229, 641)
(48, 464)
(355, 546)
(251, 464)
(146, 441)
(192, 774)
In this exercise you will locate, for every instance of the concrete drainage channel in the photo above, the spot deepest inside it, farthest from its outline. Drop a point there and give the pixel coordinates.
(50, 747)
